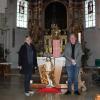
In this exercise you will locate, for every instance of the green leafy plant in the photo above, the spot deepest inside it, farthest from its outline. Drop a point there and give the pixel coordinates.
(2, 58)
(1, 52)
(86, 55)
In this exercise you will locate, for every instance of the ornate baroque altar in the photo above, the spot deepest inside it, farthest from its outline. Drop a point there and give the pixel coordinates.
(38, 21)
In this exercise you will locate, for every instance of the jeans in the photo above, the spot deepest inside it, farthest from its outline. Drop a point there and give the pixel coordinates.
(27, 78)
(73, 72)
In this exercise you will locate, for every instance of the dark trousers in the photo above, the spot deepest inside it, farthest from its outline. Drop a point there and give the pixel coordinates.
(27, 78)
(73, 72)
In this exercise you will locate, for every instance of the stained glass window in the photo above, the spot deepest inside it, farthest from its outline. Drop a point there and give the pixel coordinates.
(90, 13)
(22, 13)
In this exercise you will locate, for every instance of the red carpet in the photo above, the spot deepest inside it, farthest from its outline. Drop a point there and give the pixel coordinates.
(49, 90)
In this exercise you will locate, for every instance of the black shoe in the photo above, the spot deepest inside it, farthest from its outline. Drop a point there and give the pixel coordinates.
(68, 93)
(77, 93)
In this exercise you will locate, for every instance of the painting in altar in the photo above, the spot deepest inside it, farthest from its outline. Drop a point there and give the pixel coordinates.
(56, 48)
(55, 42)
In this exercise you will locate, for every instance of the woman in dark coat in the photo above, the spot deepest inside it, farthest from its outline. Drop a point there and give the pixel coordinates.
(28, 61)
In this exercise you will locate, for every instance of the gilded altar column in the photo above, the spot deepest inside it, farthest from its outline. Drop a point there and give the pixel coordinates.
(34, 24)
(40, 8)
(30, 18)
(33, 14)
(37, 12)
(70, 15)
(76, 17)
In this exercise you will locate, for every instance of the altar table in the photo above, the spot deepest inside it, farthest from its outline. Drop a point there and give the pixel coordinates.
(58, 64)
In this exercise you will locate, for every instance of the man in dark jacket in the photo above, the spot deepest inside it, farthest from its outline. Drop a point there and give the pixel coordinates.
(28, 61)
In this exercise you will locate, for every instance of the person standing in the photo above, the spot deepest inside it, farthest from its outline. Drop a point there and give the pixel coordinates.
(28, 61)
(73, 53)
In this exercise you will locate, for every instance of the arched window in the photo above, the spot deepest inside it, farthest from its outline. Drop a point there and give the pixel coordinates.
(22, 13)
(90, 13)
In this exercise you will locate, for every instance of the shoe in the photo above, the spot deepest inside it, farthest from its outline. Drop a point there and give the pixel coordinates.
(50, 85)
(31, 81)
(68, 93)
(27, 94)
(31, 92)
(77, 93)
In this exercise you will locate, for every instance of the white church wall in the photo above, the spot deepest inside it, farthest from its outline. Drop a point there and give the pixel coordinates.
(98, 13)
(3, 5)
(92, 37)
(16, 35)
(19, 39)
(1, 37)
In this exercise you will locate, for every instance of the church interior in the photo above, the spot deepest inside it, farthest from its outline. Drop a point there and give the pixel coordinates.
(45, 21)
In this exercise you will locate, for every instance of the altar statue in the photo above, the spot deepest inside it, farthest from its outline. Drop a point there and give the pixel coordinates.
(56, 41)
(55, 31)
(49, 69)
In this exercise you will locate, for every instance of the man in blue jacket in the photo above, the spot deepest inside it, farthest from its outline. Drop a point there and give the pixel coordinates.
(28, 62)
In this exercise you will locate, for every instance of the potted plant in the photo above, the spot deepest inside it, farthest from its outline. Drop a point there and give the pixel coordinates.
(1, 53)
(2, 58)
(86, 55)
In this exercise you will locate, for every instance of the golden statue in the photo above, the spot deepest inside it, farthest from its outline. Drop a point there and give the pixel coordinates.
(55, 31)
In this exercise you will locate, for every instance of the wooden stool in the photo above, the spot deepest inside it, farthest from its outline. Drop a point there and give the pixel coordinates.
(97, 97)
(5, 69)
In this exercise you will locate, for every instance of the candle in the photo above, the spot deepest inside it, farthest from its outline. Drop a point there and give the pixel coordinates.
(79, 37)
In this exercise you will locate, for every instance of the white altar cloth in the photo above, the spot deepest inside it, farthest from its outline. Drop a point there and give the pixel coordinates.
(56, 61)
